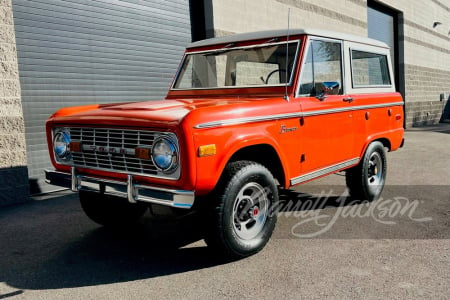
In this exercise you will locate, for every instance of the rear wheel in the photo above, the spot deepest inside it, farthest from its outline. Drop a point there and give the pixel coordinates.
(111, 211)
(242, 216)
(366, 180)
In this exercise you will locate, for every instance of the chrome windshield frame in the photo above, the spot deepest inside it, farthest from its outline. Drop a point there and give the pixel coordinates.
(228, 48)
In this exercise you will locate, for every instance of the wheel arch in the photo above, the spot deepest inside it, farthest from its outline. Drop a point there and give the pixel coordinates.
(265, 155)
(382, 139)
(385, 141)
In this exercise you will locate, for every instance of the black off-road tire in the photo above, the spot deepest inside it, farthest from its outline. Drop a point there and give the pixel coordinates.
(111, 211)
(366, 180)
(243, 210)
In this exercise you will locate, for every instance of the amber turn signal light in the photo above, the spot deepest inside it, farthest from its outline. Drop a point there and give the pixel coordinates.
(142, 153)
(207, 150)
(75, 146)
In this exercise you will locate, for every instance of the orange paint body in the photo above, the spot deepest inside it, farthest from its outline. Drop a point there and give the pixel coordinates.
(307, 134)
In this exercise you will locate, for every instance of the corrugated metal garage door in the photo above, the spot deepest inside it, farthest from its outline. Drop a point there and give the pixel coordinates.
(84, 51)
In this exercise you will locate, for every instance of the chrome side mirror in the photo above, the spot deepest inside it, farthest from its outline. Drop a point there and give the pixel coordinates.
(328, 88)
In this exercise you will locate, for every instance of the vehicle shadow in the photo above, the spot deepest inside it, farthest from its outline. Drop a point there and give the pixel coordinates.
(52, 245)
(327, 212)
(317, 197)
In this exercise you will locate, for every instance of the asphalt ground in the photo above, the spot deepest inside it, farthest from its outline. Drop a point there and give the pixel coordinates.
(324, 246)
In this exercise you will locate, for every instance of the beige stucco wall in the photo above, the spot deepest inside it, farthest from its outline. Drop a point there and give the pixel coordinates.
(426, 49)
(242, 16)
(13, 161)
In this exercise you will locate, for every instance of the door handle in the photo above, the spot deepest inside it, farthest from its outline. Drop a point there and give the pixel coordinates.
(348, 99)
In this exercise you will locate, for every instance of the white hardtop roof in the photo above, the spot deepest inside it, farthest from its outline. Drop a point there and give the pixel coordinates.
(282, 33)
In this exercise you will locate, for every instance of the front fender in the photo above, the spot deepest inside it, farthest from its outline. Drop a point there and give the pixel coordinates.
(228, 142)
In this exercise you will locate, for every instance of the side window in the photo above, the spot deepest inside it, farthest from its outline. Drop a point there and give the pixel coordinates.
(369, 69)
(323, 65)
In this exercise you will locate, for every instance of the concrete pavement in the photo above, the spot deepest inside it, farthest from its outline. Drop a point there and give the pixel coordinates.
(397, 247)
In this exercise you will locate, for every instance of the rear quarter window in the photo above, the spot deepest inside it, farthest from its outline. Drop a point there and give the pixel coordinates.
(369, 69)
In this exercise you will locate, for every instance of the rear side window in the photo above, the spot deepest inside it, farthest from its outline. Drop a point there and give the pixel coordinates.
(369, 69)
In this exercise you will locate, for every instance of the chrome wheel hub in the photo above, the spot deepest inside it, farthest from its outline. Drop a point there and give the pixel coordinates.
(375, 169)
(250, 211)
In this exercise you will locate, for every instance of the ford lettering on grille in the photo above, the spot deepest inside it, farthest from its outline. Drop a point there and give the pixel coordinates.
(110, 150)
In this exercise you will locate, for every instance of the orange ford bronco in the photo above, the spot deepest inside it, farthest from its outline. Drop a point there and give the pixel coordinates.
(245, 114)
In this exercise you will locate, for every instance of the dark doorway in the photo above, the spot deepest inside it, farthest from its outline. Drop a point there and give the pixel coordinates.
(386, 24)
(201, 19)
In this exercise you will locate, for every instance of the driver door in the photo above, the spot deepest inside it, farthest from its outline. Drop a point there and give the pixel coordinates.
(327, 133)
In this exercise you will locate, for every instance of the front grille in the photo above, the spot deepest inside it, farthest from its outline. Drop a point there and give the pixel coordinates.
(114, 150)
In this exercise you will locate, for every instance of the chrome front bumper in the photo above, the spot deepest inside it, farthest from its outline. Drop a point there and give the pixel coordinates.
(130, 190)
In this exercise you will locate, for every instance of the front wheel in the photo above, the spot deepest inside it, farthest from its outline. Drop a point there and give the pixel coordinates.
(243, 214)
(366, 180)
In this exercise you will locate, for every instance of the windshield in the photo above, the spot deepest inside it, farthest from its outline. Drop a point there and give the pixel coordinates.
(261, 65)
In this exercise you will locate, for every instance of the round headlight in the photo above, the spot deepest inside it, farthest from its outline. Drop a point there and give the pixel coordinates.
(164, 154)
(61, 143)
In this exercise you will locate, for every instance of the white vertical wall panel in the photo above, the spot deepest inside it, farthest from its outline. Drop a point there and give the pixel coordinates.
(93, 51)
